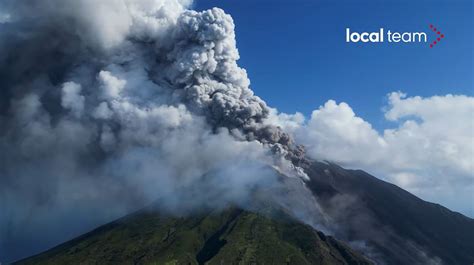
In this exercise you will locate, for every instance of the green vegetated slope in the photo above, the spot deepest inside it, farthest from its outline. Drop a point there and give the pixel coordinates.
(230, 236)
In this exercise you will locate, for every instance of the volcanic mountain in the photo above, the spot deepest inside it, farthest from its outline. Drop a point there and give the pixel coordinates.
(107, 105)
(228, 236)
(400, 227)
(372, 221)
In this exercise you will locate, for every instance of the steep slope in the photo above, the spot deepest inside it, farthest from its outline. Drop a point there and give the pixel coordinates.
(231, 236)
(398, 227)
(385, 222)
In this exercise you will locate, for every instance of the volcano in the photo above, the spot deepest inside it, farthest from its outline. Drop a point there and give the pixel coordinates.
(107, 107)
(228, 236)
(395, 227)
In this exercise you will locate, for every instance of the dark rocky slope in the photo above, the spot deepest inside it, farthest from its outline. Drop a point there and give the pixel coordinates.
(396, 226)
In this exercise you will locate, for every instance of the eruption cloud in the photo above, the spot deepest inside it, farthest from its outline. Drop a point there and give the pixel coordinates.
(106, 106)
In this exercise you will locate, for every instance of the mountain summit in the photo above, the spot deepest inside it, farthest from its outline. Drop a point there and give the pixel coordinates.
(229, 236)
(379, 223)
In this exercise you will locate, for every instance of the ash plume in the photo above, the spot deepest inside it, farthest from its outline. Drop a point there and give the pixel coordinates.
(112, 104)
(106, 106)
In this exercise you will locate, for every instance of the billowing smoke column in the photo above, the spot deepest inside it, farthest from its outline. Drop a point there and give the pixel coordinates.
(107, 105)
(155, 53)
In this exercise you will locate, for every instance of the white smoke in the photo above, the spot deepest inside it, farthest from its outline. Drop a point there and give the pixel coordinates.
(106, 106)
(113, 104)
(427, 151)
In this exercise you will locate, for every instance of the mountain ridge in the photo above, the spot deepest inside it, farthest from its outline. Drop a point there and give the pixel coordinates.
(428, 229)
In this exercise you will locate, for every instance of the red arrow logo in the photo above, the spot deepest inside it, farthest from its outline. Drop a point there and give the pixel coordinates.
(439, 35)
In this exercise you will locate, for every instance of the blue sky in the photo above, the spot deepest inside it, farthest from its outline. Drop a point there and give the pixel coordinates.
(297, 58)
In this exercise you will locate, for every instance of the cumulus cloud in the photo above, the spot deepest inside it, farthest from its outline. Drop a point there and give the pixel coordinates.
(429, 151)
